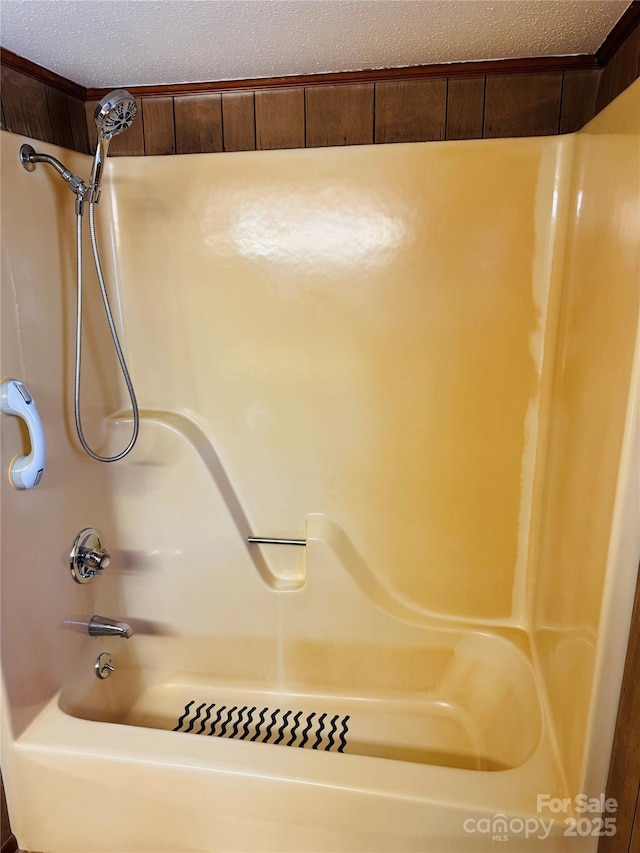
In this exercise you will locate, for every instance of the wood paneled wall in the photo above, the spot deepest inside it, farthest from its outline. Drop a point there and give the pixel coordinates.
(624, 773)
(8, 843)
(42, 110)
(518, 104)
(354, 111)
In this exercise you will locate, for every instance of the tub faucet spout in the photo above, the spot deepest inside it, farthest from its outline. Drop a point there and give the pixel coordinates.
(102, 626)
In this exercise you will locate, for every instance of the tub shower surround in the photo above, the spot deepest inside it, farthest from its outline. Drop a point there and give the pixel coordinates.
(350, 348)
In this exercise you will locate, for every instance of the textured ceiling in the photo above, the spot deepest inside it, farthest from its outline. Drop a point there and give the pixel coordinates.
(136, 42)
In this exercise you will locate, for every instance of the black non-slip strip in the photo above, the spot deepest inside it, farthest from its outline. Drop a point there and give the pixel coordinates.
(234, 733)
(217, 719)
(248, 721)
(227, 721)
(260, 722)
(343, 735)
(238, 723)
(283, 727)
(319, 734)
(332, 732)
(206, 718)
(271, 725)
(185, 715)
(195, 719)
(305, 733)
(295, 728)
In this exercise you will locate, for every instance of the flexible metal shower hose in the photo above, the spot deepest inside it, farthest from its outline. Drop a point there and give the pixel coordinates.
(114, 337)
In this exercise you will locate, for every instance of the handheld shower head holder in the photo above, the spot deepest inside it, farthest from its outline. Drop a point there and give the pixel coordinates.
(113, 115)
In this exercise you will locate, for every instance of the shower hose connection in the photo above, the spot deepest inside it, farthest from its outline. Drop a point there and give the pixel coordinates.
(114, 337)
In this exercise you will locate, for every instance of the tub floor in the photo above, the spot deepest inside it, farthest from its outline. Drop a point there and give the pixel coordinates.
(427, 731)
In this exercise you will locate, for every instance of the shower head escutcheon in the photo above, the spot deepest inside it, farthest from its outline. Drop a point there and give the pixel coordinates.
(113, 115)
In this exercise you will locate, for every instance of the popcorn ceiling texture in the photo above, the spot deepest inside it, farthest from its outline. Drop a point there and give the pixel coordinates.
(134, 42)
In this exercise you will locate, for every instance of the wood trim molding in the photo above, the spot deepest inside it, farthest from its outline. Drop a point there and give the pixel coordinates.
(619, 34)
(38, 72)
(379, 75)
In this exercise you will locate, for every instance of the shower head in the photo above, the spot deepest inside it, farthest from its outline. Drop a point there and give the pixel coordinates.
(113, 115)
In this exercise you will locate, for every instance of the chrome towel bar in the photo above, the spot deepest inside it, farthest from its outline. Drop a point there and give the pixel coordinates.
(266, 540)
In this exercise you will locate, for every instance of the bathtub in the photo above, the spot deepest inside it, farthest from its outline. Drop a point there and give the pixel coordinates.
(422, 736)
(444, 744)
(451, 699)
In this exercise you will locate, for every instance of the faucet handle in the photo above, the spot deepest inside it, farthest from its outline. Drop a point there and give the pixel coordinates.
(96, 559)
(88, 558)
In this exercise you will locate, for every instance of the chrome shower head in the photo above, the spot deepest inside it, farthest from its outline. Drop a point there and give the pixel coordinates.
(115, 114)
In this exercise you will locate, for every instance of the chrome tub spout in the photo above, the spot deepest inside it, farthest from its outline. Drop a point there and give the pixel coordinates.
(102, 626)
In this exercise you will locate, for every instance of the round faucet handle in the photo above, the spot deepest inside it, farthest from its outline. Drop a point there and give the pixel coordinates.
(95, 559)
(88, 558)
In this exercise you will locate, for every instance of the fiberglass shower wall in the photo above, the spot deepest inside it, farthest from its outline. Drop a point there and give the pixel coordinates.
(39, 525)
(584, 555)
(359, 332)
(386, 336)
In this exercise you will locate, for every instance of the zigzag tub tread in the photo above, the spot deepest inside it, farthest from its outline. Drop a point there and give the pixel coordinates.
(264, 725)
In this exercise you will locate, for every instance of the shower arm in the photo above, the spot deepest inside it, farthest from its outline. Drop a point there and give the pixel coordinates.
(29, 157)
